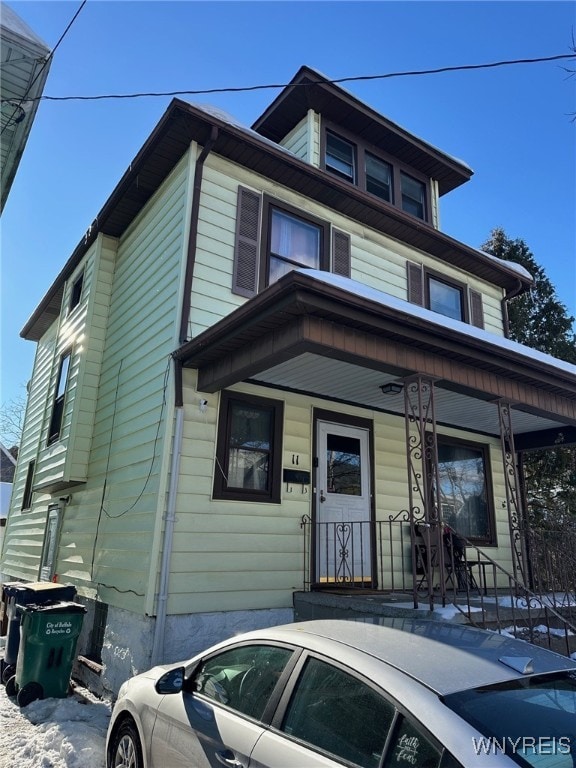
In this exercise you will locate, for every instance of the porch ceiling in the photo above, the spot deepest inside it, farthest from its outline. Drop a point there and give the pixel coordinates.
(348, 383)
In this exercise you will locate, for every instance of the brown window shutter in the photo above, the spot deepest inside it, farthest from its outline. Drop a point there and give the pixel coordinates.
(476, 309)
(340, 253)
(246, 250)
(415, 284)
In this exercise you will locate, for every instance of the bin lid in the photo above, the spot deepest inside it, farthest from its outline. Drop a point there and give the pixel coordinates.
(42, 586)
(62, 606)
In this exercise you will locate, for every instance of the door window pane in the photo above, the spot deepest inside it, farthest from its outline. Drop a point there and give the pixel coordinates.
(378, 177)
(243, 678)
(463, 491)
(293, 243)
(343, 465)
(445, 299)
(413, 196)
(339, 714)
(340, 157)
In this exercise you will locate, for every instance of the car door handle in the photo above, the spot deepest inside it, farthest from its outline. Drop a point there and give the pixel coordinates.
(227, 758)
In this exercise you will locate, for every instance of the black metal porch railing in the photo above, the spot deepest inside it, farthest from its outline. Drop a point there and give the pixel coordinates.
(386, 556)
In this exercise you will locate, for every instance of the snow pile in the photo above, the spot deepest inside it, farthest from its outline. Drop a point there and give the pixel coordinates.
(53, 733)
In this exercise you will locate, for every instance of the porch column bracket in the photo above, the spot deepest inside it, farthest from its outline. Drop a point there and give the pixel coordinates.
(513, 491)
(423, 480)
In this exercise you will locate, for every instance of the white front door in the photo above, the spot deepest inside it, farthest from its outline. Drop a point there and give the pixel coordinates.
(343, 505)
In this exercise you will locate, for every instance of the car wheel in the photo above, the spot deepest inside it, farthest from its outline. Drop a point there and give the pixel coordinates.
(126, 749)
(29, 693)
(11, 686)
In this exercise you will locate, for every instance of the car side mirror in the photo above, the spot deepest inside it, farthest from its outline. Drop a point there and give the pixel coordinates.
(170, 682)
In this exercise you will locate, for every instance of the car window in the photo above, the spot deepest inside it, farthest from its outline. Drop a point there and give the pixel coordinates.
(242, 678)
(339, 714)
(409, 747)
(531, 719)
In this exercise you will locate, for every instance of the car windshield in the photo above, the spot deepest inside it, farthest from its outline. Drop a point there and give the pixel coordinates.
(532, 720)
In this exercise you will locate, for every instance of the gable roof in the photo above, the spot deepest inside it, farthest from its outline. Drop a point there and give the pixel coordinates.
(183, 123)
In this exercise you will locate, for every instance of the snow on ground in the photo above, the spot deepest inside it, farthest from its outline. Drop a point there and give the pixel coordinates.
(53, 733)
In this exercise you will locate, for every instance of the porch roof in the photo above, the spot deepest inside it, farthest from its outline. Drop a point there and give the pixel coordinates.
(330, 336)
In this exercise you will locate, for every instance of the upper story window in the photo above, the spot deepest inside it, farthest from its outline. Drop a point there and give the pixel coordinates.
(59, 398)
(273, 238)
(294, 242)
(340, 157)
(444, 295)
(413, 196)
(76, 292)
(381, 176)
(445, 298)
(378, 177)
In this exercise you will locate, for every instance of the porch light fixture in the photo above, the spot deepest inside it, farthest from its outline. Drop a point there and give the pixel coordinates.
(392, 388)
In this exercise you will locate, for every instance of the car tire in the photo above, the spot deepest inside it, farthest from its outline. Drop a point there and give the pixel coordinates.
(29, 693)
(126, 749)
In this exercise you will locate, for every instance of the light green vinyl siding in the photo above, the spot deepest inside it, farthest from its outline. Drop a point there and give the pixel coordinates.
(230, 555)
(25, 529)
(109, 537)
(304, 139)
(378, 261)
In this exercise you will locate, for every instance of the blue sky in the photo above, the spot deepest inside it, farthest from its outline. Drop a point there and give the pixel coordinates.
(512, 125)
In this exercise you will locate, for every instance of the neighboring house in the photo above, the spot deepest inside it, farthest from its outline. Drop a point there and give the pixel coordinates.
(7, 469)
(25, 63)
(265, 342)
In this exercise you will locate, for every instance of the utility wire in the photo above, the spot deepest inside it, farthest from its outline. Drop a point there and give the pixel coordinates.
(18, 109)
(413, 73)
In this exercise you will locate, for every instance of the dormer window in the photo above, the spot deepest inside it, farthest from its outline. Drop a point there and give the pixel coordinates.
(379, 180)
(340, 157)
(381, 175)
(413, 196)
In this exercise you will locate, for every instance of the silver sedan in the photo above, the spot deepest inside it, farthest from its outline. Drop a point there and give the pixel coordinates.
(371, 693)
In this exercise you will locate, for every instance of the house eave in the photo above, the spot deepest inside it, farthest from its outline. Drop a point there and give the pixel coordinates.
(183, 123)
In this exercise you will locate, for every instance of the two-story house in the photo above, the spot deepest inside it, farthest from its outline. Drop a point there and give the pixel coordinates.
(261, 367)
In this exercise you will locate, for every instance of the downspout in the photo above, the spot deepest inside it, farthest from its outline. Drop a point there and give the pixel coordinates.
(504, 303)
(162, 600)
(193, 236)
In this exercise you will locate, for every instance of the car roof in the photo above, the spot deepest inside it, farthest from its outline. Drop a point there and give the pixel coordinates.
(443, 656)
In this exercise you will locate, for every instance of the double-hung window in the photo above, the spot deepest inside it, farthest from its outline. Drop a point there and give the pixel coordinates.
(273, 238)
(383, 177)
(340, 157)
(249, 450)
(292, 240)
(59, 398)
(294, 243)
(413, 196)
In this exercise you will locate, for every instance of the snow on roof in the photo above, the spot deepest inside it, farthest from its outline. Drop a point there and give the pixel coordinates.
(508, 264)
(441, 321)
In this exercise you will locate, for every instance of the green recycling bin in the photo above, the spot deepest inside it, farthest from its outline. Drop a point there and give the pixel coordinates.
(48, 638)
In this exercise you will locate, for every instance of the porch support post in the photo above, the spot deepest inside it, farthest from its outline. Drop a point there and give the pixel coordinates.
(513, 492)
(422, 459)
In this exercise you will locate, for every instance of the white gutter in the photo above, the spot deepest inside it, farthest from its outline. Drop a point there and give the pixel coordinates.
(160, 624)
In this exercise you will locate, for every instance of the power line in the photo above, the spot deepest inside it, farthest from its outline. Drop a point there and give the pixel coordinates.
(18, 113)
(241, 89)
